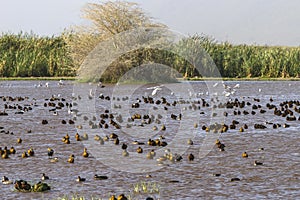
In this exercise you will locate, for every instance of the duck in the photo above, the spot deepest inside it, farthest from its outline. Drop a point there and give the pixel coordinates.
(97, 138)
(101, 141)
(117, 141)
(71, 158)
(245, 155)
(85, 153)
(190, 142)
(220, 145)
(6, 181)
(152, 152)
(54, 160)
(30, 152)
(44, 177)
(67, 137)
(139, 150)
(12, 150)
(67, 141)
(125, 153)
(138, 143)
(113, 197)
(106, 138)
(113, 136)
(122, 197)
(124, 146)
(50, 152)
(5, 155)
(85, 136)
(234, 179)
(257, 163)
(19, 140)
(77, 137)
(100, 177)
(216, 174)
(191, 157)
(24, 154)
(149, 155)
(79, 179)
(151, 142)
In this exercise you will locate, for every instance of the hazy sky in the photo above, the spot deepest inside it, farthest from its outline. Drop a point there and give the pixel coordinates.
(272, 22)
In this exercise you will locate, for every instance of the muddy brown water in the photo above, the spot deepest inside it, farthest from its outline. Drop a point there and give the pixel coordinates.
(277, 178)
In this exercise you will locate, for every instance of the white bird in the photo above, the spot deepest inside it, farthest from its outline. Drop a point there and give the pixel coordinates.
(259, 90)
(237, 86)
(155, 89)
(46, 84)
(91, 93)
(60, 82)
(216, 84)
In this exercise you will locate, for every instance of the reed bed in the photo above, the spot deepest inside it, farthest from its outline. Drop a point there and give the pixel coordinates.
(27, 54)
(30, 55)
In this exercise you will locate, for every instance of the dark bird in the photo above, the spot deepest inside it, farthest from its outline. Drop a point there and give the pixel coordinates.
(44, 177)
(50, 152)
(79, 179)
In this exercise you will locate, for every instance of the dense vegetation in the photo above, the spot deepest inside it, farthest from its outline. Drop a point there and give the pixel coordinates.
(26, 55)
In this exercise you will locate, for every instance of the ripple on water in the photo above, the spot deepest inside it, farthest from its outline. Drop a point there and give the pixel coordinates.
(278, 178)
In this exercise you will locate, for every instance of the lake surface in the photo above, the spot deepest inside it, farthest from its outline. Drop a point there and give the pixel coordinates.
(277, 178)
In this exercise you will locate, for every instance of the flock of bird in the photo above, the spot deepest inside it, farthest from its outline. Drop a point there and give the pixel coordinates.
(111, 122)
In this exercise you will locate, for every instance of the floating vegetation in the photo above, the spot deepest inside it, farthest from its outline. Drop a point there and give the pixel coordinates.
(146, 187)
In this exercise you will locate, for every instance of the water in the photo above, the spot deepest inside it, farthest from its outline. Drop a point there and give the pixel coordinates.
(277, 178)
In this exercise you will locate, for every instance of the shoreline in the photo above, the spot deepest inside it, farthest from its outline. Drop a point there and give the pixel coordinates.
(179, 79)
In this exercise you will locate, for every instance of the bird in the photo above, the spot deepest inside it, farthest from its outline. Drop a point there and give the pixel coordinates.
(50, 152)
(216, 84)
(53, 160)
(5, 155)
(71, 158)
(191, 157)
(124, 146)
(257, 163)
(100, 177)
(234, 179)
(30, 152)
(85, 153)
(245, 155)
(216, 174)
(6, 181)
(24, 154)
(60, 83)
(12, 150)
(190, 142)
(125, 153)
(19, 141)
(122, 197)
(44, 177)
(113, 197)
(79, 179)
(155, 89)
(139, 150)
(237, 86)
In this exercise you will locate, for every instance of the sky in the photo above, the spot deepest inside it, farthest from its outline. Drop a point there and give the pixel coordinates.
(263, 22)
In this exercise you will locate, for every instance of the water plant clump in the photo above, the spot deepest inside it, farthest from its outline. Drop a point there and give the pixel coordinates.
(146, 187)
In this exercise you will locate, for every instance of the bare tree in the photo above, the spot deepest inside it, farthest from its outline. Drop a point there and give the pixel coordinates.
(107, 19)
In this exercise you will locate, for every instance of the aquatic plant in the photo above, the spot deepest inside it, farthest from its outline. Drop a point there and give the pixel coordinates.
(146, 187)
(27, 54)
